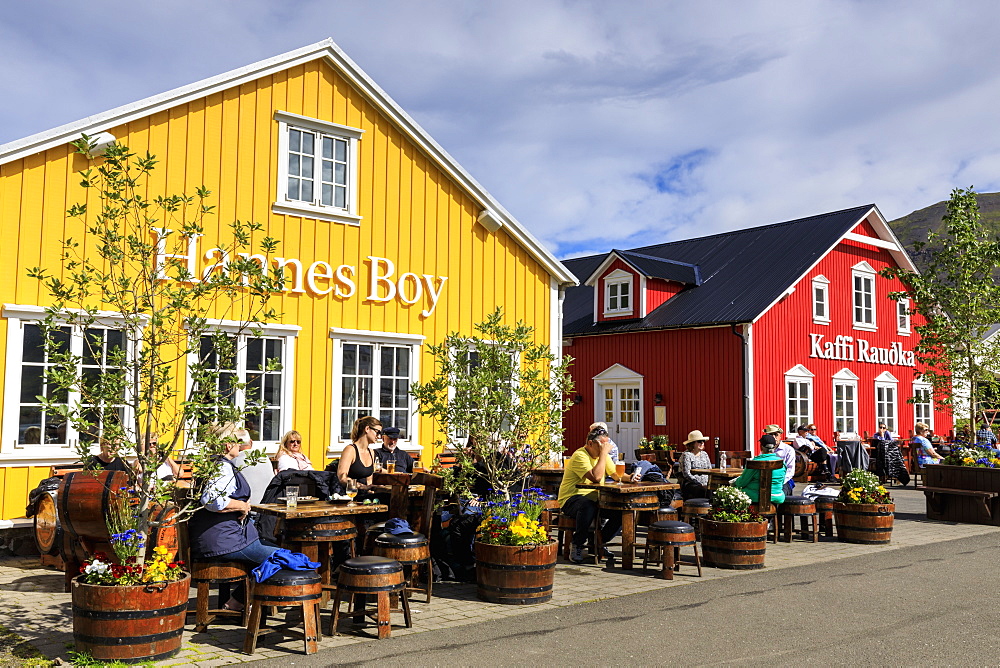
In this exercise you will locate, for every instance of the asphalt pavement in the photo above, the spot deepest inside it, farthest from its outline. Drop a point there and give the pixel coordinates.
(927, 605)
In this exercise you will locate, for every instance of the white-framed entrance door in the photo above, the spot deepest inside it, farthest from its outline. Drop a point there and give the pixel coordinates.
(618, 393)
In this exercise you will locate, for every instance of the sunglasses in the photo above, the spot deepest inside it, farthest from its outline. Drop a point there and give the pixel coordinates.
(378, 432)
(596, 433)
(290, 441)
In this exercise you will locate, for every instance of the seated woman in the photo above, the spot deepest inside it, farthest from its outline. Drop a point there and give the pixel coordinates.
(926, 454)
(107, 459)
(749, 480)
(220, 530)
(358, 460)
(290, 455)
(694, 486)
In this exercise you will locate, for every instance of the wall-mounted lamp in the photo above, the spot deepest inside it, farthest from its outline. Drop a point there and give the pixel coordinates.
(578, 399)
(658, 398)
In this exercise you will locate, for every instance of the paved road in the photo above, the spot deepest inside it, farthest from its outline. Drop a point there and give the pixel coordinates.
(927, 605)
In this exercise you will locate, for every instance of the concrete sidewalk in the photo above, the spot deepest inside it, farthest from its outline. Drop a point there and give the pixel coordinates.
(33, 605)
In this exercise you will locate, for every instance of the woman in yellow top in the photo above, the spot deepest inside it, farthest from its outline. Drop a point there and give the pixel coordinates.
(589, 464)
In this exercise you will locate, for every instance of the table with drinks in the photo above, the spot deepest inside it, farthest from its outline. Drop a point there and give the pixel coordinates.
(318, 524)
(629, 498)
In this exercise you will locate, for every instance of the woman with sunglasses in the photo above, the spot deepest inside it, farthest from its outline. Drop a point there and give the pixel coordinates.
(358, 460)
(290, 455)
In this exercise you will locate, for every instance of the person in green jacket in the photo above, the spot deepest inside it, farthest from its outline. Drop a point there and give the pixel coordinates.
(749, 480)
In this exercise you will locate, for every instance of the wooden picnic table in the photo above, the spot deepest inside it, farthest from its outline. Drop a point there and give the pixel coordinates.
(325, 512)
(629, 498)
(719, 477)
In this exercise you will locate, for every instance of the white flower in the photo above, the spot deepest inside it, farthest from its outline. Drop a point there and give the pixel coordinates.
(98, 567)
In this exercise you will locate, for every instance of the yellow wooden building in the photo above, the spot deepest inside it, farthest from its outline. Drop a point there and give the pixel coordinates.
(389, 245)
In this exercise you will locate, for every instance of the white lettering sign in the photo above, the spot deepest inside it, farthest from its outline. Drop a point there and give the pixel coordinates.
(319, 278)
(842, 348)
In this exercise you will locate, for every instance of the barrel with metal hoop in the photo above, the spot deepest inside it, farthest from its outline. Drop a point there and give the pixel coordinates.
(326, 529)
(640, 499)
(735, 545)
(515, 574)
(289, 587)
(130, 623)
(48, 530)
(864, 523)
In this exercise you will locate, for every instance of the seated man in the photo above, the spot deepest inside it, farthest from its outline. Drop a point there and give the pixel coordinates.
(815, 453)
(390, 452)
(749, 480)
(589, 464)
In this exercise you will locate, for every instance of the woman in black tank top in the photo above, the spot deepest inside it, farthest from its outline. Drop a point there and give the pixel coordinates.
(358, 459)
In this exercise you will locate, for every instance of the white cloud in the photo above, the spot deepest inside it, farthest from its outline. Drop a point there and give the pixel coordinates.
(569, 112)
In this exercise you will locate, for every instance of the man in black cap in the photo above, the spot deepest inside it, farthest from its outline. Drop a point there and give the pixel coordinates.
(390, 453)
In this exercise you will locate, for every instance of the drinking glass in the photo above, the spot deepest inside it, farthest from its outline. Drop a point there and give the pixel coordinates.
(292, 497)
(620, 470)
(390, 466)
(352, 490)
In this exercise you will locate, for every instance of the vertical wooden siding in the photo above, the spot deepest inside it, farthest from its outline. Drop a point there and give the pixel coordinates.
(781, 341)
(412, 213)
(698, 372)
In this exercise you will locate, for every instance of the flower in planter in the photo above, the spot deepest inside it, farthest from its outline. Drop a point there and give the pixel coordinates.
(730, 504)
(514, 519)
(984, 457)
(863, 487)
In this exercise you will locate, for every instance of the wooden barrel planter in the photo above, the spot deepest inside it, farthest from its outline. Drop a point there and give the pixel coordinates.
(48, 530)
(734, 545)
(515, 574)
(865, 523)
(132, 624)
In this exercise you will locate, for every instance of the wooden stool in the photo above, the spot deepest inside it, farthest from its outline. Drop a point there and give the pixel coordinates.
(801, 507)
(669, 537)
(824, 508)
(204, 574)
(371, 575)
(567, 526)
(413, 551)
(550, 514)
(315, 536)
(284, 589)
(373, 532)
(693, 510)
(664, 514)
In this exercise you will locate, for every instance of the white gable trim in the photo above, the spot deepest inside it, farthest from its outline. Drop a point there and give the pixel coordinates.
(337, 59)
(598, 273)
(618, 372)
(845, 374)
(799, 370)
(886, 377)
(874, 217)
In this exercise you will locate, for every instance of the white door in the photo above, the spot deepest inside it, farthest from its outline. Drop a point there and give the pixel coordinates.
(622, 408)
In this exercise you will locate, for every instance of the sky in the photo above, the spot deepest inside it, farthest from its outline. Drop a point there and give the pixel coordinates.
(598, 125)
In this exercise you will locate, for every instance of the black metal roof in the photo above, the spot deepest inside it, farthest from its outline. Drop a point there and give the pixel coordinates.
(658, 267)
(741, 273)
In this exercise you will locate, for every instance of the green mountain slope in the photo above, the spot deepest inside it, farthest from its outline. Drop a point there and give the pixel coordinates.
(915, 226)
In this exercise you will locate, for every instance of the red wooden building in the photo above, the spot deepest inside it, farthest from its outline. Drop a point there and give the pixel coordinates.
(787, 324)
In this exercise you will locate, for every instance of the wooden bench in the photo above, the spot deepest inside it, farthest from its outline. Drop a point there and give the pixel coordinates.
(937, 498)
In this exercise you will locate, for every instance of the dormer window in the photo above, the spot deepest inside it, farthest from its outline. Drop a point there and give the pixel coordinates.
(618, 293)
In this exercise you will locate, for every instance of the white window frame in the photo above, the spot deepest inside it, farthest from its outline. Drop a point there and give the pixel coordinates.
(618, 279)
(288, 334)
(342, 336)
(866, 274)
(11, 450)
(887, 384)
(920, 407)
(903, 325)
(282, 204)
(846, 378)
(821, 284)
(801, 377)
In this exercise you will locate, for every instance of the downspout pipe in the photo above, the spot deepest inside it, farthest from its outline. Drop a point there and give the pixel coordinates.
(743, 380)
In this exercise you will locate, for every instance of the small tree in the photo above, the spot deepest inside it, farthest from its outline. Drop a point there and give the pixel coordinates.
(143, 319)
(502, 392)
(960, 299)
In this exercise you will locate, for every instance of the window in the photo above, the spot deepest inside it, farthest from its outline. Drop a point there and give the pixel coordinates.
(30, 429)
(885, 400)
(373, 372)
(798, 397)
(821, 300)
(618, 296)
(923, 404)
(903, 317)
(845, 401)
(263, 362)
(863, 278)
(317, 169)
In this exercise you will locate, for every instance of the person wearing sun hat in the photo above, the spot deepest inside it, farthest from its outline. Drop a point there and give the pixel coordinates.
(694, 486)
(772, 434)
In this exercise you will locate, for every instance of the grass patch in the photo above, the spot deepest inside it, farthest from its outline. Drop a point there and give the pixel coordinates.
(16, 651)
